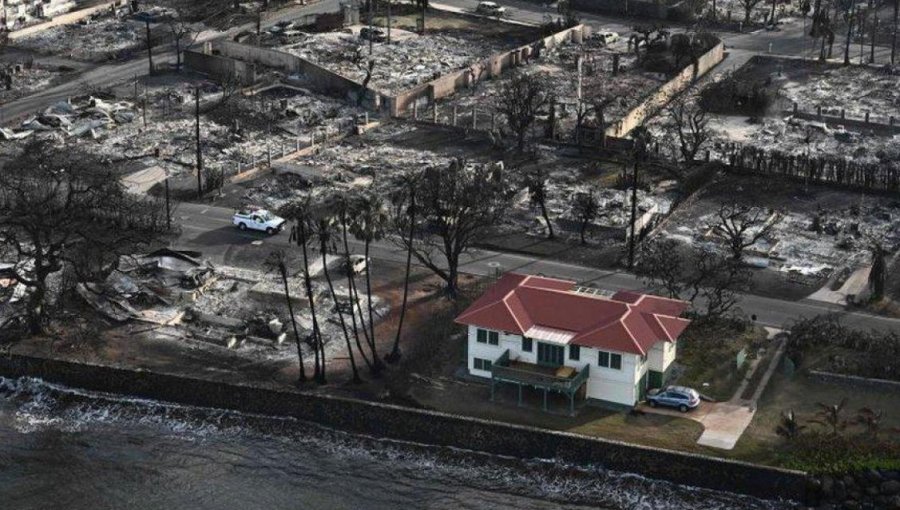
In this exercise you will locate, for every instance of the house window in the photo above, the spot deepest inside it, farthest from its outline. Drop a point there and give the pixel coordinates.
(574, 352)
(609, 360)
(615, 361)
(481, 336)
(526, 344)
(482, 364)
(493, 338)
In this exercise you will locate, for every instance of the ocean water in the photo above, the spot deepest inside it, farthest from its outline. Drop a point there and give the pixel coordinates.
(71, 449)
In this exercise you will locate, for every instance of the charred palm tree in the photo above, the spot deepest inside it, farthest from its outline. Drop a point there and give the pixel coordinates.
(276, 262)
(343, 211)
(300, 213)
(405, 212)
(325, 225)
(370, 223)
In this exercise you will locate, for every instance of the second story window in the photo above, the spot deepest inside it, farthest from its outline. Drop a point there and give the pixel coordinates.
(574, 352)
(526, 344)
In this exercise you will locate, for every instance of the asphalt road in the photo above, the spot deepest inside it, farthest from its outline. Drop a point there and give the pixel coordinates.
(209, 230)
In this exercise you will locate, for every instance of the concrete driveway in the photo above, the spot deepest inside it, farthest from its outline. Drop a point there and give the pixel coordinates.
(723, 423)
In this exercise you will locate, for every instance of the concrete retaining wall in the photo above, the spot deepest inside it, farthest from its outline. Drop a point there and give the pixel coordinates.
(853, 380)
(664, 94)
(220, 67)
(64, 19)
(491, 67)
(420, 426)
(317, 78)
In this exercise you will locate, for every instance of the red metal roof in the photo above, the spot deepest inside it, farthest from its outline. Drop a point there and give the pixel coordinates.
(626, 322)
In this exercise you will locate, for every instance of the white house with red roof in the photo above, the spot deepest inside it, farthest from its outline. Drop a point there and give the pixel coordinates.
(548, 334)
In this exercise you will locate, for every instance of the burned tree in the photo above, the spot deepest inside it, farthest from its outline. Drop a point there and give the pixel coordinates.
(712, 283)
(536, 182)
(748, 6)
(691, 127)
(404, 215)
(276, 262)
(521, 99)
(63, 208)
(585, 209)
(741, 226)
(370, 221)
(455, 206)
(184, 35)
(878, 273)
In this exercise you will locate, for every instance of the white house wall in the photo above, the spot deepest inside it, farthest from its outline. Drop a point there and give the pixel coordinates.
(662, 355)
(605, 384)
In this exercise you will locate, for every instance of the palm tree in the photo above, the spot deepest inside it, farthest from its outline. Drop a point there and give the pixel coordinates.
(407, 198)
(830, 416)
(300, 212)
(870, 419)
(325, 223)
(789, 428)
(343, 206)
(276, 262)
(370, 223)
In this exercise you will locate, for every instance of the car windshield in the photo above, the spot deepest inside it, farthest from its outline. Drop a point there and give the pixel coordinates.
(265, 216)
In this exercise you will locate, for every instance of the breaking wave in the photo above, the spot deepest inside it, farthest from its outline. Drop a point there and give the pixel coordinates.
(32, 406)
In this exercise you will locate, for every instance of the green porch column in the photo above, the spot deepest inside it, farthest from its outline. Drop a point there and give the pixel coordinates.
(520, 395)
(545, 399)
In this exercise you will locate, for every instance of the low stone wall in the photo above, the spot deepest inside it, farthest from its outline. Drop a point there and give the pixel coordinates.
(658, 99)
(220, 67)
(64, 19)
(420, 426)
(853, 380)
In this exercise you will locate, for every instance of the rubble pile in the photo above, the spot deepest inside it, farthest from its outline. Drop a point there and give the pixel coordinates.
(24, 81)
(558, 68)
(854, 89)
(98, 38)
(409, 59)
(810, 243)
(241, 130)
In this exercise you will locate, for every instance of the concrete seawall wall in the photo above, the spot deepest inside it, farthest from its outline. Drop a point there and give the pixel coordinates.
(416, 425)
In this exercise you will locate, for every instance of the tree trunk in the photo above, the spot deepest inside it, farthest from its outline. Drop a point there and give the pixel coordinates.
(377, 365)
(287, 296)
(36, 305)
(149, 49)
(850, 19)
(584, 224)
(324, 250)
(395, 354)
(550, 234)
(453, 276)
(354, 304)
(319, 374)
(633, 238)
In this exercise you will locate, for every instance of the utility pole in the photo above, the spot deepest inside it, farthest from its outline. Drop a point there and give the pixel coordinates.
(389, 21)
(149, 47)
(874, 33)
(199, 152)
(168, 209)
(894, 36)
(371, 25)
(851, 17)
(631, 238)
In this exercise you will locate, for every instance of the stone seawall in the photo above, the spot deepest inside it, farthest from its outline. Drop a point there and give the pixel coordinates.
(420, 426)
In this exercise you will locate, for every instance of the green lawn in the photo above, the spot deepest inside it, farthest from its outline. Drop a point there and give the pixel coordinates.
(708, 353)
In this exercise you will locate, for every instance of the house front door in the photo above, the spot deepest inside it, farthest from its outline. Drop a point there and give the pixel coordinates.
(550, 355)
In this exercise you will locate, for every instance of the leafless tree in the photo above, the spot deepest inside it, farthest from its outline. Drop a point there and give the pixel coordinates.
(184, 35)
(585, 209)
(455, 207)
(878, 273)
(536, 182)
(521, 99)
(691, 127)
(702, 277)
(740, 226)
(748, 6)
(61, 207)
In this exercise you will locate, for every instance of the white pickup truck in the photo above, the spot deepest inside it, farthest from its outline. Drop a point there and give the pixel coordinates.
(258, 219)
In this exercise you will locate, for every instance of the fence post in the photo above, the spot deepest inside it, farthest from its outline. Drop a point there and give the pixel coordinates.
(416, 110)
(493, 121)
(455, 115)
(268, 155)
(474, 118)
(434, 115)
(867, 117)
(796, 108)
(819, 112)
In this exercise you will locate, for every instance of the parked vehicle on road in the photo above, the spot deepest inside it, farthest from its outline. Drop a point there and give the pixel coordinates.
(680, 397)
(258, 219)
(490, 9)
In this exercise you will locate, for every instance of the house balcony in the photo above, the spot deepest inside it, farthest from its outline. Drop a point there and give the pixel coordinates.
(559, 379)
